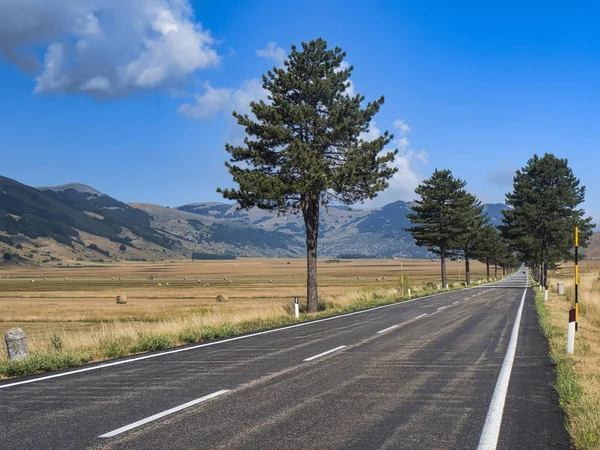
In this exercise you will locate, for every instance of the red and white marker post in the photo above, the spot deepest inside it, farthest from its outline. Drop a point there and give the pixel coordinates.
(571, 332)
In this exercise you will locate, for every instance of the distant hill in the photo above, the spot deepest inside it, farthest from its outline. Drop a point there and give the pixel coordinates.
(593, 249)
(494, 212)
(375, 233)
(76, 221)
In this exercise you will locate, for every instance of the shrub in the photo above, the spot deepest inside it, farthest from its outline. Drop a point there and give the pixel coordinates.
(56, 343)
(115, 348)
(151, 342)
(189, 336)
(43, 362)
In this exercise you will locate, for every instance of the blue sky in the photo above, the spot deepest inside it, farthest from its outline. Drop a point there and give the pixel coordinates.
(475, 87)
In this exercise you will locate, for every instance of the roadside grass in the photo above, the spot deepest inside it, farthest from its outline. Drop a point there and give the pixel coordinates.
(121, 338)
(577, 375)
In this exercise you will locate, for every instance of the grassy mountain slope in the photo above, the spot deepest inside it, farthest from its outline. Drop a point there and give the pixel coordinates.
(75, 221)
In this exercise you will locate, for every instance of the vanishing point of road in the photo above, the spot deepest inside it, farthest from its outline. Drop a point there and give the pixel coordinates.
(456, 370)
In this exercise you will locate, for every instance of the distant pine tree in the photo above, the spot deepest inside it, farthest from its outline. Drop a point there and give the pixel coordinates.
(441, 214)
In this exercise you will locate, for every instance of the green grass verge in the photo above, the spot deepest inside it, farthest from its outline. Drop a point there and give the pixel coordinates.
(116, 348)
(582, 415)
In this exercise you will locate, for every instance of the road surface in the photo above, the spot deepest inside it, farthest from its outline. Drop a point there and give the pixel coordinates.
(434, 373)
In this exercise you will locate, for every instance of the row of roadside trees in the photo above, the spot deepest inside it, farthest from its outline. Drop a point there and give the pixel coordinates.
(451, 223)
(537, 229)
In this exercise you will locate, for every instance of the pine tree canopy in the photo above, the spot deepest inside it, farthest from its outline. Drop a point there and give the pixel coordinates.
(471, 220)
(306, 143)
(544, 214)
(438, 217)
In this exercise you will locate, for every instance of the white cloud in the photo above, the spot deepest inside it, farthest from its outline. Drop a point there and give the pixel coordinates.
(407, 161)
(402, 142)
(216, 100)
(274, 52)
(105, 47)
(350, 91)
(211, 102)
(372, 133)
(226, 100)
(402, 126)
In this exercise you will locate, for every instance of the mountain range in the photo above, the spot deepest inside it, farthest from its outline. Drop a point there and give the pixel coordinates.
(77, 222)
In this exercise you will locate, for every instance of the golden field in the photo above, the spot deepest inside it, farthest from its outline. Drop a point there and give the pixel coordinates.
(77, 302)
(582, 395)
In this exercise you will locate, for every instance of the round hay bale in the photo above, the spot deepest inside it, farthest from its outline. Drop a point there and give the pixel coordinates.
(294, 278)
(121, 299)
(66, 279)
(270, 281)
(358, 278)
(166, 284)
(221, 298)
(112, 278)
(151, 277)
(120, 279)
(230, 281)
(33, 281)
(199, 281)
(159, 285)
(207, 285)
(45, 278)
(185, 278)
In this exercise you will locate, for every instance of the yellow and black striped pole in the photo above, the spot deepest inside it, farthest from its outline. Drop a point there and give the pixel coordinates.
(576, 279)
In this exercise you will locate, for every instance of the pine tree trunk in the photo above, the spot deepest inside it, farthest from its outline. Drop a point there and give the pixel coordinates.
(487, 268)
(496, 271)
(311, 221)
(467, 271)
(503, 271)
(444, 277)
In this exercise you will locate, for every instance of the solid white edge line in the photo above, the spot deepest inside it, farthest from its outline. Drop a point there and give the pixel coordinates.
(493, 421)
(422, 315)
(162, 414)
(455, 303)
(325, 353)
(388, 329)
(208, 344)
(442, 307)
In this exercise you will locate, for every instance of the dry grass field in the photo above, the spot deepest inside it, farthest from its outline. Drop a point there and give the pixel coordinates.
(76, 306)
(579, 384)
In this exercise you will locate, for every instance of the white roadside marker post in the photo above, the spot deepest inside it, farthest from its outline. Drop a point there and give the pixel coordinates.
(296, 308)
(408, 292)
(571, 332)
(546, 294)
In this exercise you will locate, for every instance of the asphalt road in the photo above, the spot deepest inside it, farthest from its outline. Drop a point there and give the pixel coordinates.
(413, 375)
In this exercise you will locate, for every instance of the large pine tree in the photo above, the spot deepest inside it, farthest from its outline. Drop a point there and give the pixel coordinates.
(306, 147)
(438, 217)
(544, 214)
